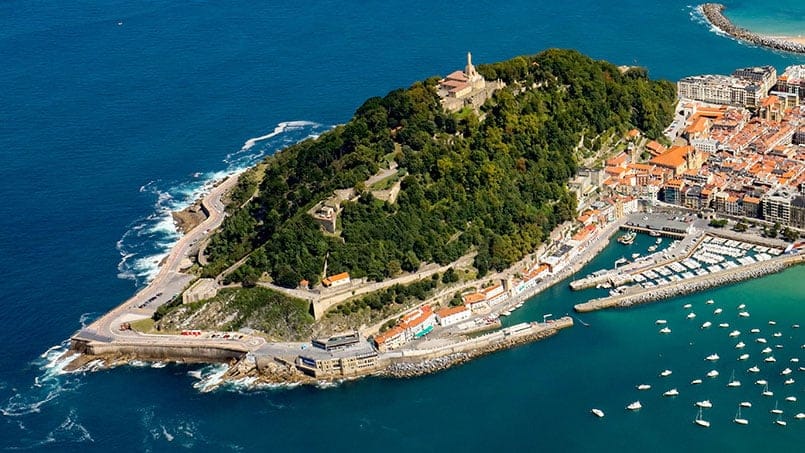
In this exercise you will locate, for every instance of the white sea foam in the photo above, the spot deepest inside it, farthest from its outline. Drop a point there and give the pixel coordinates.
(211, 377)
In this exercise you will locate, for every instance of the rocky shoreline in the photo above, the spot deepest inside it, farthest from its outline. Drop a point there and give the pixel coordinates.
(714, 13)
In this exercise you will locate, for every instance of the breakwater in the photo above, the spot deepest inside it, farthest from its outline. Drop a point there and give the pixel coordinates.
(696, 284)
(714, 13)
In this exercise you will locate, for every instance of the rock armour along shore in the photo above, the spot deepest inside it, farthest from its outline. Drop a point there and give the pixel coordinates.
(714, 13)
(683, 287)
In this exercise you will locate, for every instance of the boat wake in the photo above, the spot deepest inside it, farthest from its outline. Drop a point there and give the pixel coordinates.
(148, 240)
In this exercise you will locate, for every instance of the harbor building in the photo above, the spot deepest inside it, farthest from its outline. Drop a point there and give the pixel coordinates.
(453, 315)
(352, 359)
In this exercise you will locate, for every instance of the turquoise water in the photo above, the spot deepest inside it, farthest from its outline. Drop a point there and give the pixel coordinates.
(115, 112)
(778, 18)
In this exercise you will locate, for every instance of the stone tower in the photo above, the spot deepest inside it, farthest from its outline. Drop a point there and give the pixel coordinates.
(469, 70)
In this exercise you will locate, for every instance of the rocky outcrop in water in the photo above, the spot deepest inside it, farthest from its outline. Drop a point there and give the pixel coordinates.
(714, 13)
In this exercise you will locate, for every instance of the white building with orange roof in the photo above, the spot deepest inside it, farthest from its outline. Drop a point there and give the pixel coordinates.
(336, 280)
(453, 315)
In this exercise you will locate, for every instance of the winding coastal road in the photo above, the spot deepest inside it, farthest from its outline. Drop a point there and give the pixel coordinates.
(169, 282)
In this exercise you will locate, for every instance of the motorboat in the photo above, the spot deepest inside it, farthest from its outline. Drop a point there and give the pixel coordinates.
(741, 307)
(744, 314)
(785, 372)
(686, 306)
(705, 404)
(700, 421)
(672, 392)
(791, 399)
(735, 333)
(777, 334)
(794, 360)
(665, 373)
(710, 302)
(745, 404)
(778, 346)
(800, 416)
(770, 359)
(738, 419)
(598, 413)
(706, 324)
(765, 350)
(620, 261)
(789, 381)
(717, 311)
(754, 369)
(780, 422)
(743, 357)
(665, 330)
(643, 387)
(712, 357)
(740, 345)
(660, 322)
(762, 382)
(691, 315)
(761, 340)
(634, 406)
(696, 382)
(724, 325)
(755, 330)
(772, 323)
(635, 255)
(652, 248)
(628, 238)
(712, 373)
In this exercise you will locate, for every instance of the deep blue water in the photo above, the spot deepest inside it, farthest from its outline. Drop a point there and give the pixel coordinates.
(113, 112)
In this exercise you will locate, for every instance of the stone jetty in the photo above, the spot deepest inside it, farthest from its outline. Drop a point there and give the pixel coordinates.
(691, 285)
(714, 13)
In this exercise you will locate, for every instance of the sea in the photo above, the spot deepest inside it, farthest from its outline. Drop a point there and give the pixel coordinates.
(113, 113)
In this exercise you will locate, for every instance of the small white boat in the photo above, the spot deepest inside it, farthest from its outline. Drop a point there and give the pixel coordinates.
(696, 382)
(802, 368)
(746, 404)
(598, 413)
(712, 373)
(794, 360)
(643, 387)
(761, 340)
(789, 381)
(765, 350)
(791, 399)
(744, 314)
(700, 421)
(635, 255)
(687, 306)
(672, 392)
(665, 330)
(705, 404)
(766, 391)
(778, 346)
(800, 416)
(634, 406)
(717, 311)
(735, 333)
(712, 357)
(738, 419)
(741, 307)
(772, 323)
(710, 302)
(776, 410)
(660, 322)
(691, 315)
(795, 326)
(755, 330)
(754, 369)
(780, 422)
(652, 248)
(762, 382)
(740, 345)
(724, 325)
(665, 373)
(777, 334)
(770, 359)
(786, 372)
(743, 357)
(733, 382)
(505, 313)
(706, 324)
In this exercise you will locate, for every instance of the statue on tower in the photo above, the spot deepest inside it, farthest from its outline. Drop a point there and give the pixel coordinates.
(469, 70)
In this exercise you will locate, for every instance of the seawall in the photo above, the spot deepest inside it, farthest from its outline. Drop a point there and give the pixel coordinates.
(161, 352)
(714, 13)
(692, 285)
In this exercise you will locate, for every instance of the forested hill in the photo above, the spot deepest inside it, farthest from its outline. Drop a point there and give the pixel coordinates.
(497, 186)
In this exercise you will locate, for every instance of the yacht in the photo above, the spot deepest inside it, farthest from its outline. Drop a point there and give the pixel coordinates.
(744, 314)
(660, 322)
(740, 345)
(710, 302)
(800, 416)
(743, 357)
(780, 421)
(598, 413)
(786, 372)
(696, 382)
(635, 255)
(712, 373)
(741, 307)
(634, 406)
(691, 315)
(772, 323)
(665, 373)
(620, 261)
(643, 387)
(652, 248)
(762, 382)
(770, 359)
(628, 238)
(761, 340)
(745, 404)
(733, 382)
(789, 381)
(735, 333)
(795, 326)
(700, 421)
(777, 334)
(717, 311)
(686, 306)
(794, 360)
(791, 399)
(738, 419)
(706, 324)
(766, 350)
(712, 357)
(705, 404)
(672, 392)
(776, 410)
(754, 369)
(766, 391)
(755, 330)
(724, 325)
(665, 330)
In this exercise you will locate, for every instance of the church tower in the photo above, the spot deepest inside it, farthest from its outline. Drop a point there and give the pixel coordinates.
(469, 70)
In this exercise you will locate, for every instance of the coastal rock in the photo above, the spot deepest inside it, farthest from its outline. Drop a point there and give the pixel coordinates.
(714, 13)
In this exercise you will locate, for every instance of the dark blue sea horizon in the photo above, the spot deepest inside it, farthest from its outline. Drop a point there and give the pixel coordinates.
(113, 113)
